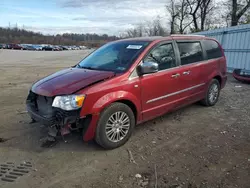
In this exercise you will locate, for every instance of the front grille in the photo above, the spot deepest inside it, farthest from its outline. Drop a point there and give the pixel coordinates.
(42, 104)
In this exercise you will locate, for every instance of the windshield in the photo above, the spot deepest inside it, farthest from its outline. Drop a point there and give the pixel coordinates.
(116, 57)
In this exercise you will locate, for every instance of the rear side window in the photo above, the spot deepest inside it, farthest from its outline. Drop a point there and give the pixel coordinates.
(190, 52)
(212, 48)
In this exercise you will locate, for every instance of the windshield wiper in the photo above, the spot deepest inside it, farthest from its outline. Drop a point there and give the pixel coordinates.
(83, 67)
(91, 68)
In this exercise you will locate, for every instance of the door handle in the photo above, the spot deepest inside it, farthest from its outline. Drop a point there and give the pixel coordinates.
(186, 72)
(175, 75)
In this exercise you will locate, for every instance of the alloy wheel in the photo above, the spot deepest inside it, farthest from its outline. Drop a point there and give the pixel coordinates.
(213, 93)
(117, 126)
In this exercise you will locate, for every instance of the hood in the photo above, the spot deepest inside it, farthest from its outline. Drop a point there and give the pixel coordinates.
(69, 81)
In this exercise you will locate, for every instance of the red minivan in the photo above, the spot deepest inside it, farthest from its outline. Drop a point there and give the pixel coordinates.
(127, 82)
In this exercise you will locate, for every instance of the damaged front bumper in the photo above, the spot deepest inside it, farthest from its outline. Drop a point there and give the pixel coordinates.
(58, 117)
(40, 109)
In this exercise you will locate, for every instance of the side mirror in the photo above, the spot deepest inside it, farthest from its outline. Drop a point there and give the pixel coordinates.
(148, 67)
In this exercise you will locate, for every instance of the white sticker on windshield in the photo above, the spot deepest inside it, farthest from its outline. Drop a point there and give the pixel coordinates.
(135, 47)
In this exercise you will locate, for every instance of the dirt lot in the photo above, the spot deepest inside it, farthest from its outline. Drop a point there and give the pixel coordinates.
(190, 148)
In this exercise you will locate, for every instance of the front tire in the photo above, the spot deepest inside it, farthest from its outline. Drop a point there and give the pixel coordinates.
(115, 126)
(212, 94)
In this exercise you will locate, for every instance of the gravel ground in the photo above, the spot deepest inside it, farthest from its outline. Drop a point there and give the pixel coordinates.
(195, 147)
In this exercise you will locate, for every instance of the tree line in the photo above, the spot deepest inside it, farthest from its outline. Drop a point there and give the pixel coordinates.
(16, 35)
(183, 16)
(188, 16)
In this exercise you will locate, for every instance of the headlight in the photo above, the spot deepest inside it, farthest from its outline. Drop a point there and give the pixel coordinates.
(69, 102)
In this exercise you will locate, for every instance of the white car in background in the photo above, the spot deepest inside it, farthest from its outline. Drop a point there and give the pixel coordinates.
(82, 47)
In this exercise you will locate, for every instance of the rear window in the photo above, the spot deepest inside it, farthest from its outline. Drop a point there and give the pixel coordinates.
(190, 52)
(212, 48)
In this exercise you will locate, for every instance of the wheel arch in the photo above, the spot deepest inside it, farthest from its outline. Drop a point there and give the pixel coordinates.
(131, 105)
(123, 97)
(218, 77)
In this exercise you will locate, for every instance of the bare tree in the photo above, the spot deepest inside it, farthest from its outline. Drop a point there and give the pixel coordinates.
(172, 8)
(155, 28)
(246, 19)
(239, 8)
(140, 28)
(132, 32)
(179, 15)
(136, 31)
(226, 17)
(158, 30)
(147, 28)
(183, 16)
(205, 8)
(199, 11)
(194, 6)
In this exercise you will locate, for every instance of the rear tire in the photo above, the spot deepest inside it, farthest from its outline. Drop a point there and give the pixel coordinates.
(115, 126)
(212, 94)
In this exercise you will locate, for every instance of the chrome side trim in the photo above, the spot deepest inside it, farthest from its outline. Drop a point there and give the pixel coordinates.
(175, 93)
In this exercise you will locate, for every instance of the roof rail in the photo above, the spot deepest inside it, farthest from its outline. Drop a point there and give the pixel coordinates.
(183, 35)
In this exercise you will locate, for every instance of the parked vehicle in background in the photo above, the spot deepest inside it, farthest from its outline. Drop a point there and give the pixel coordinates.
(48, 48)
(64, 47)
(3, 46)
(242, 75)
(30, 47)
(57, 48)
(27, 47)
(14, 47)
(23, 46)
(75, 48)
(128, 82)
(82, 47)
(38, 47)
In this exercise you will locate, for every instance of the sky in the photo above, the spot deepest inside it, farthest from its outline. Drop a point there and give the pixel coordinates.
(79, 16)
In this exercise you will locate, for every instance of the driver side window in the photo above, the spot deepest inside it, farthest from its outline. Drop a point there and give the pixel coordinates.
(163, 55)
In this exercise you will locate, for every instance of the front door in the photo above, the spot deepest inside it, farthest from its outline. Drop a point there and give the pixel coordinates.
(160, 90)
